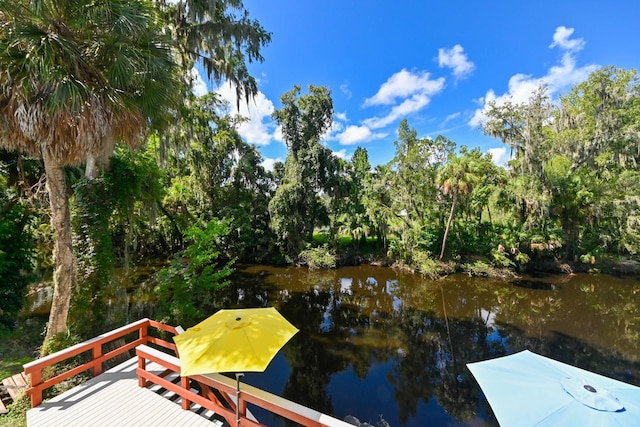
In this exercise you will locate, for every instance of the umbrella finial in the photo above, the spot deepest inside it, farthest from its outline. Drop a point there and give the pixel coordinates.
(238, 322)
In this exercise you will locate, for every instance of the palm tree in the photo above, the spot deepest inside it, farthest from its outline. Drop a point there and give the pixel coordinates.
(78, 77)
(456, 179)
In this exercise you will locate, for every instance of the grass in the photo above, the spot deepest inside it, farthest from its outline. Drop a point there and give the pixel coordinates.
(14, 352)
(19, 345)
(17, 416)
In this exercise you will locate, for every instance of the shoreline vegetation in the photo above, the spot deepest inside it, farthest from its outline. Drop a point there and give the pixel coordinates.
(117, 162)
(474, 265)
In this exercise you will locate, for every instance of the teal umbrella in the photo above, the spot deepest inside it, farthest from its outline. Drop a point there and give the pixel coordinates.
(526, 389)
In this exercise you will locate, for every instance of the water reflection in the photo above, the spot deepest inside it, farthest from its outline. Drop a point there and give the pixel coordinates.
(392, 348)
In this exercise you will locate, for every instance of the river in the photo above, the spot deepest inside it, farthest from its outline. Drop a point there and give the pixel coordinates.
(391, 348)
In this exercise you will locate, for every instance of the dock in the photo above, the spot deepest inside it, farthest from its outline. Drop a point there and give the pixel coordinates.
(147, 389)
(114, 399)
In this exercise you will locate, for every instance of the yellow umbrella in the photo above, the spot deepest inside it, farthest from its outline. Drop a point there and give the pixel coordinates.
(241, 340)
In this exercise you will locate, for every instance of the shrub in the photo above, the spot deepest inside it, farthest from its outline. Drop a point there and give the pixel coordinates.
(185, 288)
(318, 257)
(16, 253)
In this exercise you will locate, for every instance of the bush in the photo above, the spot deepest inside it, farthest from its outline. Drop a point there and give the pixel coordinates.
(184, 288)
(426, 265)
(318, 258)
(16, 253)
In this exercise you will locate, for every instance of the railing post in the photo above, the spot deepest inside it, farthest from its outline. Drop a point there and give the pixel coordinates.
(96, 353)
(35, 393)
(185, 383)
(242, 409)
(144, 332)
(142, 365)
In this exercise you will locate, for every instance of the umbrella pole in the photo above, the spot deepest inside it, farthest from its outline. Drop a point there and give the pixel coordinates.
(238, 375)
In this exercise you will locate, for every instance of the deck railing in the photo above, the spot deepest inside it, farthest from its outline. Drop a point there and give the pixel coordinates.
(216, 392)
(225, 401)
(95, 345)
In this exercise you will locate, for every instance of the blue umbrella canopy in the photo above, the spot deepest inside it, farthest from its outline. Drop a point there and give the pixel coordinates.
(526, 389)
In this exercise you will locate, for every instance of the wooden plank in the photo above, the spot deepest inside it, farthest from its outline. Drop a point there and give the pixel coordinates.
(3, 409)
(113, 398)
(15, 385)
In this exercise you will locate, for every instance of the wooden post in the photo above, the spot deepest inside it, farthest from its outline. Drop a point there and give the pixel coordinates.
(35, 393)
(186, 384)
(96, 353)
(144, 335)
(142, 364)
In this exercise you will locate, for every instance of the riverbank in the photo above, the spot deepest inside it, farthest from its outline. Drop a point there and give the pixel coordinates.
(476, 266)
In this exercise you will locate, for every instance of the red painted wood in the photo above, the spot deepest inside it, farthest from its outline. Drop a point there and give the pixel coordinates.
(34, 369)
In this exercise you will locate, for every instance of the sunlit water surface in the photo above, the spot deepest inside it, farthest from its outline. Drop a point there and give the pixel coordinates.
(390, 347)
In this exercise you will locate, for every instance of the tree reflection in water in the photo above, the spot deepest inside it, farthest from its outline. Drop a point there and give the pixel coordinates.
(392, 348)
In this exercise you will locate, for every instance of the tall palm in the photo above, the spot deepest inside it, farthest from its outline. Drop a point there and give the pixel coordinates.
(78, 77)
(456, 179)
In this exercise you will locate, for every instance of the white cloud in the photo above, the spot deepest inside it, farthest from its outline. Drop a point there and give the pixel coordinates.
(341, 116)
(199, 85)
(457, 60)
(404, 84)
(561, 39)
(499, 155)
(559, 77)
(411, 105)
(268, 163)
(450, 117)
(255, 130)
(344, 88)
(277, 134)
(342, 154)
(408, 92)
(356, 134)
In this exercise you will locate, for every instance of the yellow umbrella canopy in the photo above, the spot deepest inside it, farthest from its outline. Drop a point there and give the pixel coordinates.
(240, 340)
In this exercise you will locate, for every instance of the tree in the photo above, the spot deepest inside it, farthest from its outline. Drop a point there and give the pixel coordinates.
(77, 78)
(348, 211)
(219, 35)
(413, 186)
(597, 142)
(457, 179)
(524, 128)
(219, 167)
(309, 168)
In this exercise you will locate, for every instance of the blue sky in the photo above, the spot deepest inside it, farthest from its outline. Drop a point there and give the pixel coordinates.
(435, 63)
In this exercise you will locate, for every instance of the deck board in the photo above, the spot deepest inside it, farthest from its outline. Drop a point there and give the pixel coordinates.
(15, 385)
(114, 399)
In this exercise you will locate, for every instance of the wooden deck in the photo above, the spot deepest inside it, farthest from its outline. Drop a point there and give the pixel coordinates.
(114, 399)
(147, 390)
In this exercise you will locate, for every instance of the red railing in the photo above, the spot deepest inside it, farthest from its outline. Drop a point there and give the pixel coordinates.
(227, 389)
(225, 386)
(95, 345)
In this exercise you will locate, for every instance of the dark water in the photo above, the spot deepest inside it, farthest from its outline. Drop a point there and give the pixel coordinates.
(391, 348)
(388, 347)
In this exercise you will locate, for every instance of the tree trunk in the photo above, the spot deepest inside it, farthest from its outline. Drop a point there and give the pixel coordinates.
(446, 230)
(63, 260)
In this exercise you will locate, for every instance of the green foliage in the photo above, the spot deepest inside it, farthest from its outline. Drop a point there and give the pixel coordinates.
(426, 265)
(112, 215)
(93, 206)
(320, 257)
(16, 259)
(17, 416)
(185, 287)
(296, 208)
